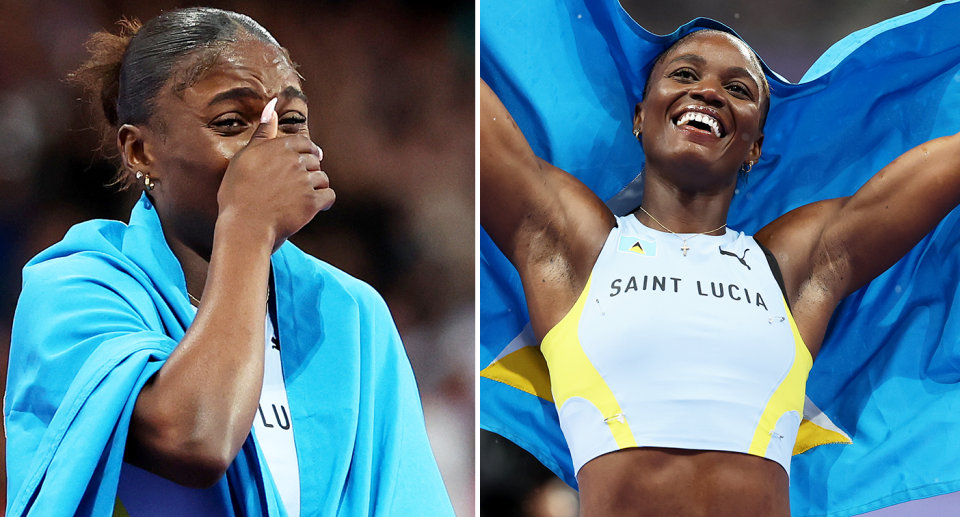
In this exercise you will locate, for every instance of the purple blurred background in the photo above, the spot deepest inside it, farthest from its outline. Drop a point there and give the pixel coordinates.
(391, 85)
(789, 35)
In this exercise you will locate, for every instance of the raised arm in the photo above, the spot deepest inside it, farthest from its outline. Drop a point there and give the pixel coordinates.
(829, 249)
(547, 223)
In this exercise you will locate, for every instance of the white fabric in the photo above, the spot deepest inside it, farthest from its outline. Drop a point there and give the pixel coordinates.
(692, 347)
(273, 426)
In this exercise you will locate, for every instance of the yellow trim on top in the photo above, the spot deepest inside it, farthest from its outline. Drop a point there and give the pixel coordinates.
(524, 369)
(788, 396)
(573, 375)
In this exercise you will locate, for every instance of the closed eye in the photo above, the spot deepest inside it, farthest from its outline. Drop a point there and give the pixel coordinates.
(293, 122)
(295, 119)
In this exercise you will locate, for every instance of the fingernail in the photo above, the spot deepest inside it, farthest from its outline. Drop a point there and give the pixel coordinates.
(268, 111)
(319, 153)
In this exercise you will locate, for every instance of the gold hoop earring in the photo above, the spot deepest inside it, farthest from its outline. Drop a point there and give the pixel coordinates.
(746, 168)
(636, 133)
(147, 181)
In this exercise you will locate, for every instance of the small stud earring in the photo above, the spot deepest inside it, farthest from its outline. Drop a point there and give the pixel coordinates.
(147, 181)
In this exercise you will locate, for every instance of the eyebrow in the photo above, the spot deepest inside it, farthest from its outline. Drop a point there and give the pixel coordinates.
(689, 58)
(243, 93)
(247, 93)
(293, 91)
(699, 60)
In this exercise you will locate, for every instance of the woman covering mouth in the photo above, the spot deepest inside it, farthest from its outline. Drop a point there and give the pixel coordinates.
(194, 362)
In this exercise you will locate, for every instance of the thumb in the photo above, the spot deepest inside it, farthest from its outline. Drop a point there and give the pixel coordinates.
(268, 122)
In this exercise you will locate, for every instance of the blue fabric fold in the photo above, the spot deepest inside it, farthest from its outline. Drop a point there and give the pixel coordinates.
(571, 73)
(102, 310)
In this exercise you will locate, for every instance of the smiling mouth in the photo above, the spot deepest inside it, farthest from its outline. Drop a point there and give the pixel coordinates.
(701, 121)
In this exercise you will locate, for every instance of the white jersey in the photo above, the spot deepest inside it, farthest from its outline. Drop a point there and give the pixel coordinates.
(690, 349)
(273, 426)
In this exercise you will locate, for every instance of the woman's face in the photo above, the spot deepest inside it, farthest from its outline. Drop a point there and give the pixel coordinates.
(196, 130)
(700, 120)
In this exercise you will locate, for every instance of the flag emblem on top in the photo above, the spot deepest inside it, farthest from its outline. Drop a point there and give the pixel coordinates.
(637, 246)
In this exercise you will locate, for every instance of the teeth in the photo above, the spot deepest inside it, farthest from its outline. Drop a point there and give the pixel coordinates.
(703, 118)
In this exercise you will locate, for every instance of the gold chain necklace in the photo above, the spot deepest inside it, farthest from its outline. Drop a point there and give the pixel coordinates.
(684, 247)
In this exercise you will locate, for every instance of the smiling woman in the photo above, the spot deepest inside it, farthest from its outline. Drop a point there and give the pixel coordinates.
(676, 395)
(715, 71)
(143, 354)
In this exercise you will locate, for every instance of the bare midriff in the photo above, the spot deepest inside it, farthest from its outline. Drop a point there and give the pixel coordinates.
(659, 482)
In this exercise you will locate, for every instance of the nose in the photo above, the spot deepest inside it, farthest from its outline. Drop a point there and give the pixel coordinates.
(709, 91)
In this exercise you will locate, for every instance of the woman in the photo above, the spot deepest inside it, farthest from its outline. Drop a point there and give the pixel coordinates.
(659, 328)
(142, 354)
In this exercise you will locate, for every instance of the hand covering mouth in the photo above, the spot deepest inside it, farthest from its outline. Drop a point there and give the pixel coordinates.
(703, 120)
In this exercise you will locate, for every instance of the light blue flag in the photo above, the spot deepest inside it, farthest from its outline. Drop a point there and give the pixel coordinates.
(888, 377)
(102, 310)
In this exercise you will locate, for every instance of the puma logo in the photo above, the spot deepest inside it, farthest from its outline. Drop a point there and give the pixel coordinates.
(734, 255)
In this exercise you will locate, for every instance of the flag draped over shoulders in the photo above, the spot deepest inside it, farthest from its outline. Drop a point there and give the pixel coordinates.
(888, 375)
(102, 310)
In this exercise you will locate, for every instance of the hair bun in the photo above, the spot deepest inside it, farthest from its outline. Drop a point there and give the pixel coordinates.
(99, 76)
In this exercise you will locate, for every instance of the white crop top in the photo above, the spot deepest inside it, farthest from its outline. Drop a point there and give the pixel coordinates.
(666, 350)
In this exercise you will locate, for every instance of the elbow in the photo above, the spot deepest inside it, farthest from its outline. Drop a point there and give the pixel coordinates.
(188, 461)
(198, 470)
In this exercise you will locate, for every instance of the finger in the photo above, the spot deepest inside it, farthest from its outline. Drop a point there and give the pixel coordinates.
(325, 198)
(300, 144)
(269, 122)
(319, 180)
(310, 162)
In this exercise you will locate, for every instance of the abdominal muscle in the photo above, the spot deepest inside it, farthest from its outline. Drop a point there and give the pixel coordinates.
(660, 482)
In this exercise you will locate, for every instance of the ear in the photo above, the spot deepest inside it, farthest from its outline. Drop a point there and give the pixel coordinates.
(754, 155)
(136, 150)
(638, 119)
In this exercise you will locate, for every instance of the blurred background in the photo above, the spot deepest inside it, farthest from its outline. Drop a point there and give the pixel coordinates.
(391, 88)
(789, 35)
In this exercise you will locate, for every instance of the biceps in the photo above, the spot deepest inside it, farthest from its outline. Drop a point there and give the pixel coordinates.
(515, 185)
(893, 211)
